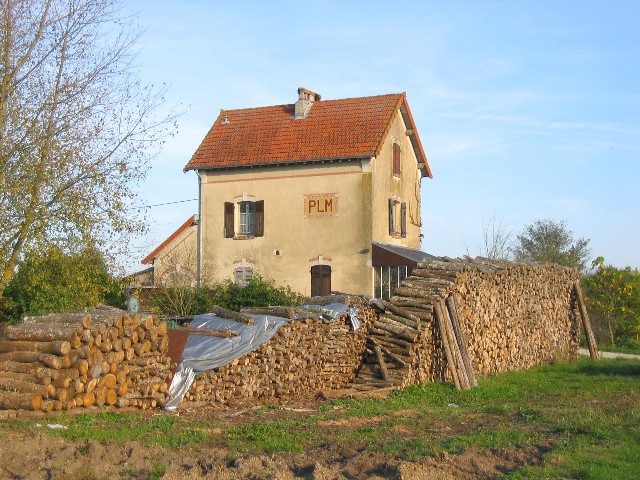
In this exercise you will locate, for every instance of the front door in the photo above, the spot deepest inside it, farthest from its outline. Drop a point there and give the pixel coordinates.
(320, 280)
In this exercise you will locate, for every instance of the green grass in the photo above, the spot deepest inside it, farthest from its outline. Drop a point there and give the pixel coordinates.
(635, 350)
(268, 437)
(586, 413)
(584, 416)
(163, 430)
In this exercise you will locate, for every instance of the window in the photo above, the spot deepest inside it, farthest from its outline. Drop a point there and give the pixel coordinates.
(388, 280)
(242, 274)
(397, 218)
(396, 159)
(249, 219)
(246, 218)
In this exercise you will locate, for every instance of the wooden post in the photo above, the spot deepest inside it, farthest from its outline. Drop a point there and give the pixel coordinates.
(447, 346)
(381, 362)
(465, 383)
(586, 323)
(452, 306)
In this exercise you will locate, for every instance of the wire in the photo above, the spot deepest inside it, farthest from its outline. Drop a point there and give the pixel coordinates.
(161, 204)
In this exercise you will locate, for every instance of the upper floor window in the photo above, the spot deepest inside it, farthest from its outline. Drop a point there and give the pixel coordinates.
(397, 218)
(396, 159)
(244, 219)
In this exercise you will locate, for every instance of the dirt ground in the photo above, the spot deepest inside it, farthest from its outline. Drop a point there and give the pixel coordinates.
(35, 455)
(39, 456)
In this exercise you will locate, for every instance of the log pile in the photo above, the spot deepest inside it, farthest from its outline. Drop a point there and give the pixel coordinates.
(304, 357)
(453, 319)
(103, 357)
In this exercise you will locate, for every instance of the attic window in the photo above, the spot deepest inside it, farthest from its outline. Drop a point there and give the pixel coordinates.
(225, 120)
(396, 159)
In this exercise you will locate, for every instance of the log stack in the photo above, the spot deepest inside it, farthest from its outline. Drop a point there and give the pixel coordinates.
(103, 357)
(305, 356)
(453, 319)
(518, 315)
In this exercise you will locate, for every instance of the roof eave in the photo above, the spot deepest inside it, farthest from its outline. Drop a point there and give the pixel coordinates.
(278, 164)
(149, 259)
(423, 164)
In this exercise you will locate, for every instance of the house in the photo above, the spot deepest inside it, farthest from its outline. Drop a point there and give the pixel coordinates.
(174, 261)
(320, 195)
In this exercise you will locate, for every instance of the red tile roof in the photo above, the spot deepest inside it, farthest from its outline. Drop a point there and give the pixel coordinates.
(149, 258)
(332, 130)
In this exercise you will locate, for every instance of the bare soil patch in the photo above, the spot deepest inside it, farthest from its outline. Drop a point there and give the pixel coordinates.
(35, 455)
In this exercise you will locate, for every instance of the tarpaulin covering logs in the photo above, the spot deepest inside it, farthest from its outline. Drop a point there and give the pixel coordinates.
(302, 355)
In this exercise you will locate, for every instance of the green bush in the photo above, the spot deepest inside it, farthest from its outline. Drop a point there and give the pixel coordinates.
(56, 281)
(613, 294)
(256, 292)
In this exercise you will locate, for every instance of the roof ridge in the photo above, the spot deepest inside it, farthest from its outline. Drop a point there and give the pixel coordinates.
(318, 102)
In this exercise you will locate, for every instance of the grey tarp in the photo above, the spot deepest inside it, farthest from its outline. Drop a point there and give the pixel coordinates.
(333, 310)
(203, 353)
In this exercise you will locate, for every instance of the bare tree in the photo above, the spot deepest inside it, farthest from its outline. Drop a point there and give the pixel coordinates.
(178, 268)
(498, 240)
(77, 128)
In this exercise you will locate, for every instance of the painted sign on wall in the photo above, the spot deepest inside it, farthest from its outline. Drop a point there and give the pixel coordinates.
(320, 204)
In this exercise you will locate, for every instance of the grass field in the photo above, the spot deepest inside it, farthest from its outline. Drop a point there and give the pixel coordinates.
(583, 416)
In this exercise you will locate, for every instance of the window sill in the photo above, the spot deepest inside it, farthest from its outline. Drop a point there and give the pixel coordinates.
(244, 237)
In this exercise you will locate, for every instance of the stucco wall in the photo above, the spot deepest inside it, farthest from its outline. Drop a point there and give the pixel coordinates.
(176, 264)
(342, 240)
(404, 188)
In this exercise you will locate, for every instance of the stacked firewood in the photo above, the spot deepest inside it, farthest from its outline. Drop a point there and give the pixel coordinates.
(103, 357)
(520, 316)
(453, 319)
(404, 345)
(305, 356)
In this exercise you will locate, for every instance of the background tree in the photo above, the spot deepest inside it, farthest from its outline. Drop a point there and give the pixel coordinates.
(59, 281)
(552, 242)
(76, 126)
(614, 295)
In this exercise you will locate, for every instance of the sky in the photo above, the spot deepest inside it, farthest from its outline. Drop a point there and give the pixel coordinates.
(526, 110)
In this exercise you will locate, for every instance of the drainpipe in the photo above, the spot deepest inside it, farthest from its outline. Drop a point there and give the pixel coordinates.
(199, 240)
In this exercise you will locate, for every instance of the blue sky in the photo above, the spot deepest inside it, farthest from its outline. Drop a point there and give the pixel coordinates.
(527, 110)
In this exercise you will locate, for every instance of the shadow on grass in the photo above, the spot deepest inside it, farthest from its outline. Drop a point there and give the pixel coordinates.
(621, 367)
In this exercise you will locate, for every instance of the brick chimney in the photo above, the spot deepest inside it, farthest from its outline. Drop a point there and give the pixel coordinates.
(305, 102)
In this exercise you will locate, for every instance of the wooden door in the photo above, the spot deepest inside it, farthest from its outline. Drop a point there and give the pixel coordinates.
(320, 280)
